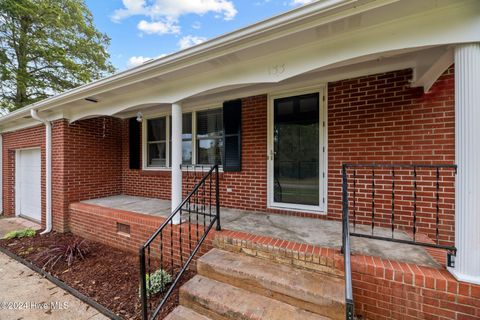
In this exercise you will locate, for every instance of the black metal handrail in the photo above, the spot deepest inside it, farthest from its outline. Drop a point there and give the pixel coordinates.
(349, 303)
(393, 178)
(197, 213)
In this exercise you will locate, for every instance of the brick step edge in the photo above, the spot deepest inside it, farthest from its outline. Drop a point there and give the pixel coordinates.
(324, 260)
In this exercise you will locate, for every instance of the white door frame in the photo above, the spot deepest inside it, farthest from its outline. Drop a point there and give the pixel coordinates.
(322, 207)
(17, 180)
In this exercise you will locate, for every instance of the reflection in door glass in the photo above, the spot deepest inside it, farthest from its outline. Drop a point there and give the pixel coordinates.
(296, 150)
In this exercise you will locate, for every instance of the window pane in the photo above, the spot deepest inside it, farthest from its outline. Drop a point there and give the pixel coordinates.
(187, 126)
(157, 129)
(187, 152)
(186, 137)
(157, 154)
(210, 123)
(210, 151)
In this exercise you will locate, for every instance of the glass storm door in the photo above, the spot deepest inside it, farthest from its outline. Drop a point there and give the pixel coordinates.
(296, 152)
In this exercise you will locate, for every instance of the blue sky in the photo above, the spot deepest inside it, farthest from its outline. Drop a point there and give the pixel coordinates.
(145, 29)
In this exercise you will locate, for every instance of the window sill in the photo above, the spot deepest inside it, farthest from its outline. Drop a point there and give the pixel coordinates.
(157, 171)
(320, 212)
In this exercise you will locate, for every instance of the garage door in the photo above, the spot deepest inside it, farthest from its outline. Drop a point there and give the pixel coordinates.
(28, 184)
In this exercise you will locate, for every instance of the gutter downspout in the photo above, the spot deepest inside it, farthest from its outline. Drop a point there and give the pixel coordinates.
(1, 174)
(48, 165)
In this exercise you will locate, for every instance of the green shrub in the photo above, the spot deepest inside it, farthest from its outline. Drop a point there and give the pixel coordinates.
(157, 281)
(18, 234)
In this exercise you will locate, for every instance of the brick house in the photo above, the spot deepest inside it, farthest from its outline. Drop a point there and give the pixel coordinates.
(281, 106)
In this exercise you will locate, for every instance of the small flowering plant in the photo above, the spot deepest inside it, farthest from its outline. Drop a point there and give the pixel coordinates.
(157, 281)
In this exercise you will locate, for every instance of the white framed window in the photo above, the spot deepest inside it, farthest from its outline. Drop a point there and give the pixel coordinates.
(156, 155)
(209, 137)
(202, 139)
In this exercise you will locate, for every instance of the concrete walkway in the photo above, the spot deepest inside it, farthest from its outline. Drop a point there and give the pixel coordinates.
(24, 294)
(317, 232)
(15, 223)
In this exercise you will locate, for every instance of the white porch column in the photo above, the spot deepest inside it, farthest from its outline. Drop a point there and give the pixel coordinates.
(176, 158)
(467, 153)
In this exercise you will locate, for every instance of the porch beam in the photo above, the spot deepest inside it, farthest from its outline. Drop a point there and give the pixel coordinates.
(426, 78)
(467, 145)
(176, 158)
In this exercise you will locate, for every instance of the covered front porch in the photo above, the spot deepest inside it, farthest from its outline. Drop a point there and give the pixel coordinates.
(314, 232)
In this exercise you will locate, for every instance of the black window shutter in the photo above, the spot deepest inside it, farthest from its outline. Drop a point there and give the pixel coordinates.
(232, 128)
(134, 143)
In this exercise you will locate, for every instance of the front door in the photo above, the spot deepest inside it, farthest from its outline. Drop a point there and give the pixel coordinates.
(296, 160)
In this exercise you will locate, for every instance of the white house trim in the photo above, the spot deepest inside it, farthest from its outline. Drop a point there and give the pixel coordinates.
(429, 75)
(176, 149)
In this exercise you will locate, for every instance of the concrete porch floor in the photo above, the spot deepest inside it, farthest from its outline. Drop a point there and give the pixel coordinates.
(317, 232)
(8, 224)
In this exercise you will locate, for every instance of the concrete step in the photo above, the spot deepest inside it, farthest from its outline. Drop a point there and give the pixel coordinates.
(221, 301)
(320, 293)
(182, 313)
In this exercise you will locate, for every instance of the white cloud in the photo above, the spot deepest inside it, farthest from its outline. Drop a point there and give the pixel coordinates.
(132, 7)
(301, 2)
(138, 60)
(189, 41)
(173, 9)
(158, 27)
(197, 25)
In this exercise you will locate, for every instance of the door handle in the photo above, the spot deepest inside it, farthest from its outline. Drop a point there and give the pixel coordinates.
(271, 154)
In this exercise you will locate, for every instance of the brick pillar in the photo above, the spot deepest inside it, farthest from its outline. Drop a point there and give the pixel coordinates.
(59, 170)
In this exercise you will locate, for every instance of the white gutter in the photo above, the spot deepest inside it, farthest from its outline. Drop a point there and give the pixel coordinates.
(1, 174)
(48, 165)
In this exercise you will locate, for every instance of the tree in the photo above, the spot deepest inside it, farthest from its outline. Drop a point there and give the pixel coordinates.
(47, 47)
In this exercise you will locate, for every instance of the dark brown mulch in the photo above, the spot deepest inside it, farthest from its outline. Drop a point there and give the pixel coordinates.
(107, 275)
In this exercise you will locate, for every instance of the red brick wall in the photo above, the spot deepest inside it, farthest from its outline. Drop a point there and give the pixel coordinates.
(86, 163)
(100, 224)
(93, 149)
(383, 289)
(12, 141)
(92, 152)
(380, 119)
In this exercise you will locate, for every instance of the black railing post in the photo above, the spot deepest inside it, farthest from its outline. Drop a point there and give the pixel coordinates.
(143, 284)
(217, 196)
(349, 304)
(344, 204)
(152, 305)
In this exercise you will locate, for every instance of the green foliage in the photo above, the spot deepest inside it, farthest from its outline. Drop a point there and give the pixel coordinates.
(157, 281)
(18, 234)
(47, 47)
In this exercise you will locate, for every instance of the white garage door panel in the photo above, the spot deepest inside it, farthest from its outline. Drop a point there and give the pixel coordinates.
(28, 184)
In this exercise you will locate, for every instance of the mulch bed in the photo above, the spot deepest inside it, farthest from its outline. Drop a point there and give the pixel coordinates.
(106, 275)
